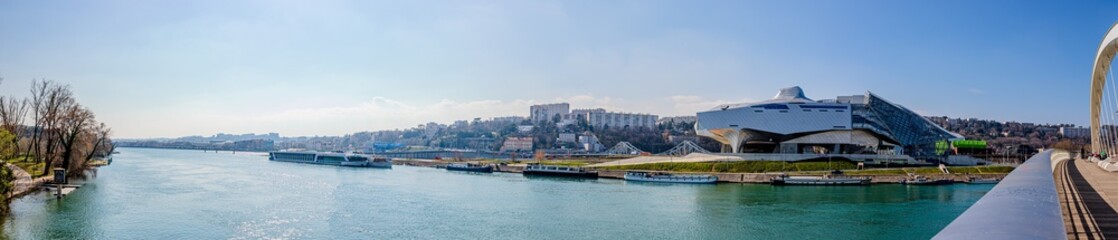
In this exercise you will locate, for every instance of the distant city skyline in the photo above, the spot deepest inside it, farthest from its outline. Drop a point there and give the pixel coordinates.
(171, 69)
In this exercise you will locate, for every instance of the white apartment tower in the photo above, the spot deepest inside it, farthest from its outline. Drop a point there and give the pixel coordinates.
(545, 112)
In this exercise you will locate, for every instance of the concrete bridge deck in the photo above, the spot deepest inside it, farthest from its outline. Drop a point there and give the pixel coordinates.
(1088, 198)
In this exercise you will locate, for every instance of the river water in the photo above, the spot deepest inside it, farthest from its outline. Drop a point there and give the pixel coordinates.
(178, 194)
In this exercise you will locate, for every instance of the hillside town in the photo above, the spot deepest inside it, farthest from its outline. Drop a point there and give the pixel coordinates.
(560, 129)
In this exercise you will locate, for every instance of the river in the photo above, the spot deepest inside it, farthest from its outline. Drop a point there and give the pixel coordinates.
(179, 194)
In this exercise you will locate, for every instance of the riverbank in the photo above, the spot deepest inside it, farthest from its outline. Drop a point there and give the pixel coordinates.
(881, 176)
(28, 177)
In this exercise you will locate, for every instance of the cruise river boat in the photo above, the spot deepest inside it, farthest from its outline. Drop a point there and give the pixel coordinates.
(669, 178)
(331, 158)
(974, 180)
(834, 178)
(559, 171)
(922, 180)
(469, 167)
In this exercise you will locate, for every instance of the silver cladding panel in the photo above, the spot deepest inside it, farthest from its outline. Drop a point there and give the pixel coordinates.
(796, 119)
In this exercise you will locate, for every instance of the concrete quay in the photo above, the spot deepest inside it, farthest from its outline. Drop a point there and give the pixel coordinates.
(766, 177)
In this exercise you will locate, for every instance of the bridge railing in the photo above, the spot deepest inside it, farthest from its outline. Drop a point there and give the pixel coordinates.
(1024, 205)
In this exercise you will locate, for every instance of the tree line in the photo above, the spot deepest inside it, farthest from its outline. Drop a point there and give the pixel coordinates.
(51, 127)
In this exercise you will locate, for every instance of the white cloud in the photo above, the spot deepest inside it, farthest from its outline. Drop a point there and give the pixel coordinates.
(686, 98)
(689, 105)
(589, 101)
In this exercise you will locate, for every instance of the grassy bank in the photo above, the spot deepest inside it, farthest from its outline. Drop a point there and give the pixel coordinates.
(738, 167)
(34, 168)
(934, 170)
(774, 166)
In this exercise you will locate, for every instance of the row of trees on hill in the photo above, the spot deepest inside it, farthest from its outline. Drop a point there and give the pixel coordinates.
(53, 129)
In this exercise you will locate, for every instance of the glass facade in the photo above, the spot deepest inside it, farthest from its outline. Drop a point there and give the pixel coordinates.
(293, 156)
(916, 134)
(327, 159)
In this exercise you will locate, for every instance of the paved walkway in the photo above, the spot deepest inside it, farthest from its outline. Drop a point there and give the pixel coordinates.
(1088, 197)
(23, 182)
(22, 179)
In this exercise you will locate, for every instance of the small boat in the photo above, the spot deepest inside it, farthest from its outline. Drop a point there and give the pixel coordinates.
(836, 177)
(669, 178)
(560, 171)
(469, 167)
(922, 180)
(974, 180)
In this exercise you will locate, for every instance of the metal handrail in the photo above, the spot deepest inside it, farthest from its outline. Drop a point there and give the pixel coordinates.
(1024, 205)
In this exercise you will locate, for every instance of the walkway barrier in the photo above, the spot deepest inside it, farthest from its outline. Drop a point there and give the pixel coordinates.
(1108, 166)
(1024, 205)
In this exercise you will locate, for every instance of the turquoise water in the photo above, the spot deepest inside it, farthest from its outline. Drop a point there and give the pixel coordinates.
(175, 194)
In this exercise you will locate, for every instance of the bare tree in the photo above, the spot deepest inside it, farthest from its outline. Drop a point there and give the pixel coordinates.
(38, 99)
(47, 101)
(12, 113)
(63, 133)
(100, 134)
(73, 120)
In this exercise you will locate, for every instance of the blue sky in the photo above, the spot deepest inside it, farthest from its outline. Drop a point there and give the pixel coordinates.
(173, 68)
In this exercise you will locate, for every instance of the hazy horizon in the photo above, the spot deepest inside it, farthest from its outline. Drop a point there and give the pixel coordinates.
(326, 68)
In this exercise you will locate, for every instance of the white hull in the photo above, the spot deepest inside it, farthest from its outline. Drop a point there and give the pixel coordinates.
(820, 181)
(337, 159)
(380, 164)
(673, 178)
(354, 163)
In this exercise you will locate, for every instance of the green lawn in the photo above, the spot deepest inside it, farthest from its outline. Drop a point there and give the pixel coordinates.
(981, 169)
(738, 167)
(889, 171)
(34, 168)
(934, 170)
(572, 163)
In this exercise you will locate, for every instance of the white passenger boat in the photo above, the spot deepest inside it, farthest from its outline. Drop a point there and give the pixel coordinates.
(834, 178)
(669, 178)
(331, 158)
(914, 179)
